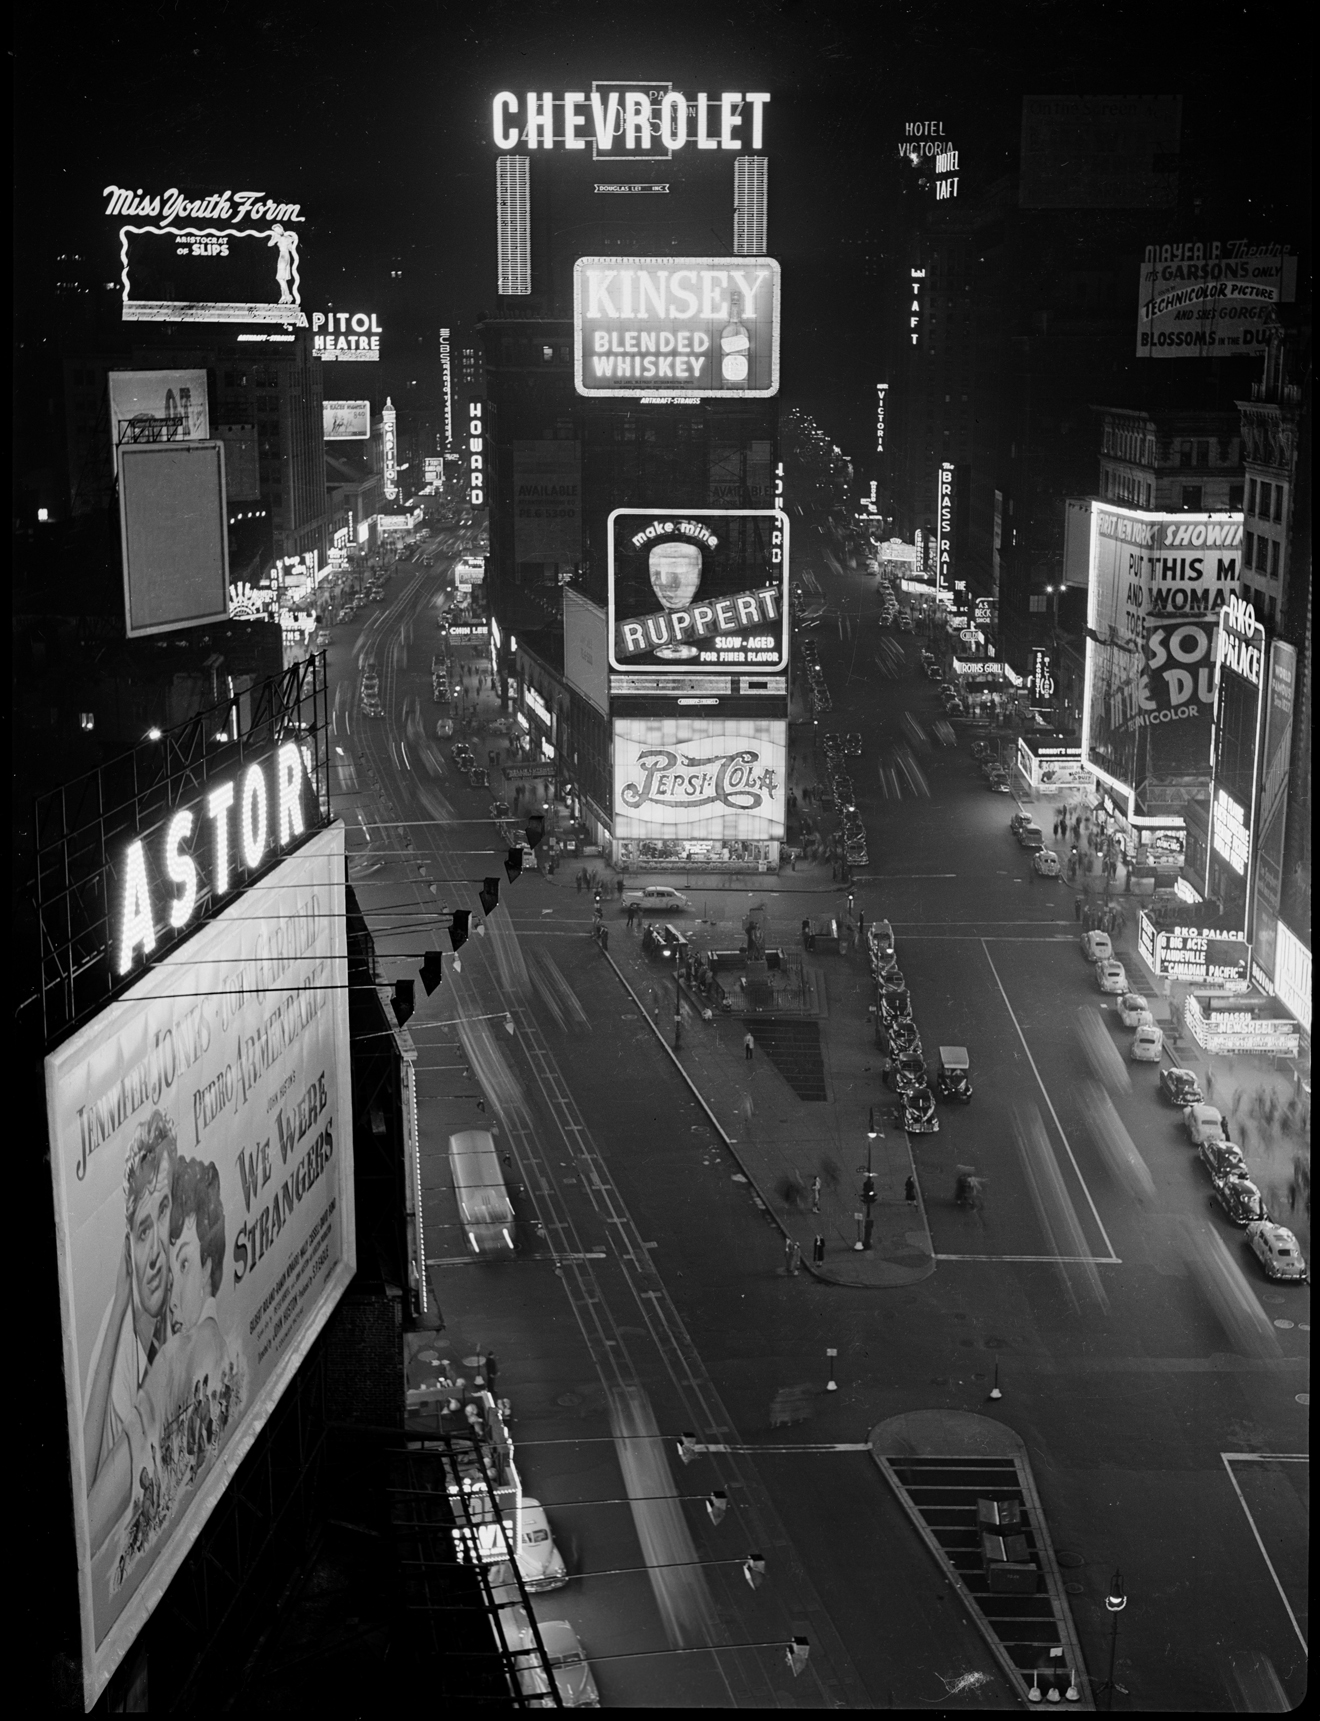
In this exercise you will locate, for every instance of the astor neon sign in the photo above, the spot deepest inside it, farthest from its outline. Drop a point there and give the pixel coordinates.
(247, 817)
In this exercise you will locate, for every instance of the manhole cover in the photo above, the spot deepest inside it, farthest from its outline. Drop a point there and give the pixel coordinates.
(1303, 1398)
(1284, 1324)
(1075, 1589)
(1272, 1297)
(1070, 1560)
(567, 1398)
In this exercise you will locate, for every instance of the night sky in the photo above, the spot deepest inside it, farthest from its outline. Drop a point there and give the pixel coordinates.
(377, 120)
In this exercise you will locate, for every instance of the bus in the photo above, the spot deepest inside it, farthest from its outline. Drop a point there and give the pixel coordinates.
(483, 1202)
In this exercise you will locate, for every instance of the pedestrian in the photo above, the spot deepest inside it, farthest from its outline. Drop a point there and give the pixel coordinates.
(578, 882)
(815, 1194)
(792, 1257)
(861, 927)
(910, 1191)
(818, 1250)
(793, 860)
(619, 887)
(1077, 908)
(1210, 1084)
(630, 917)
(749, 1046)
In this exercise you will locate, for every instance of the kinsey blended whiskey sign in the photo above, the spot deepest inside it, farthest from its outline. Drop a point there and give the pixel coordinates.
(707, 589)
(677, 327)
(226, 257)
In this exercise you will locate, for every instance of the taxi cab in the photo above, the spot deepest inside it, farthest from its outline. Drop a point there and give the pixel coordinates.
(1096, 947)
(1045, 863)
(1111, 976)
(1147, 1044)
(1131, 1008)
(1275, 1247)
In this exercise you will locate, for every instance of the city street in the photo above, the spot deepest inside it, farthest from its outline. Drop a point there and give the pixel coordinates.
(1164, 1432)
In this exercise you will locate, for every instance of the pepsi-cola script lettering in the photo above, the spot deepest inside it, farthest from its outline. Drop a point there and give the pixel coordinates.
(671, 779)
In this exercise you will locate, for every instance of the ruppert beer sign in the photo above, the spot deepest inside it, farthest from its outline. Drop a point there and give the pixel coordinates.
(681, 327)
(707, 589)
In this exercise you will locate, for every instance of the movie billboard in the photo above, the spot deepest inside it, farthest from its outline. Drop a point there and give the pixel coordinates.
(157, 406)
(719, 779)
(346, 420)
(676, 328)
(702, 587)
(201, 1151)
(1208, 299)
(1156, 585)
(1240, 703)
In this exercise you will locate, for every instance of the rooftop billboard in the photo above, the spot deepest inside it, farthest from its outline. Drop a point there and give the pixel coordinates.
(1210, 299)
(722, 779)
(201, 1151)
(174, 530)
(705, 587)
(676, 328)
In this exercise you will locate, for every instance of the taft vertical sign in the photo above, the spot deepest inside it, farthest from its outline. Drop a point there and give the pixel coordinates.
(201, 1151)
(677, 328)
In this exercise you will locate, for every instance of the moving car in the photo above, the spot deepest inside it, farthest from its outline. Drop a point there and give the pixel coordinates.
(954, 1080)
(1201, 1122)
(1275, 1247)
(444, 727)
(1111, 976)
(655, 899)
(484, 1208)
(1180, 1086)
(1045, 863)
(1097, 947)
(1131, 1008)
(904, 1075)
(1240, 1199)
(1222, 1158)
(916, 1112)
(1147, 1044)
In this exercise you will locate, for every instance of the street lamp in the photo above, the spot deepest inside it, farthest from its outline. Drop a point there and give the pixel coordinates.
(1115, 1602)
(871, 1133)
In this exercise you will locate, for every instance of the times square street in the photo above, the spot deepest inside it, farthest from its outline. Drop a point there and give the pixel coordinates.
(1159, 1398)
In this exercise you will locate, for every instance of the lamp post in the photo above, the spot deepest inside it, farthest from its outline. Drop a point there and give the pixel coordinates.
(1115, 1602)
(678, 1000)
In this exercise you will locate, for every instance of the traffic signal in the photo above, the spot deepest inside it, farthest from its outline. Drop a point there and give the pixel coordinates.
(402, 1002)
(513, 865)
(687, 1448)
(717, 1504)
(458, 930)
(489, 895)
(535, 829)
(796, 1655)
(754, 1570)
(433, 971)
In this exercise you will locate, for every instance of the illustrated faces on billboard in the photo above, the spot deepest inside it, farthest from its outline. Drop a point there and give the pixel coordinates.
(707, 588)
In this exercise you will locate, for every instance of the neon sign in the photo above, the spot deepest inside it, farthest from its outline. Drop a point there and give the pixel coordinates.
(653, 120)
(389, 448)
(881, 389)
(476, 455)
(345, 336)
(266, 804)
(944, 527)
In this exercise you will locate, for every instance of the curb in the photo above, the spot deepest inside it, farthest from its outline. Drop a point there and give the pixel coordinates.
(807, 1266)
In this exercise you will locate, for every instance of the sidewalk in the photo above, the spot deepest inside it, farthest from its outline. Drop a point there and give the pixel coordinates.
(781, 1142)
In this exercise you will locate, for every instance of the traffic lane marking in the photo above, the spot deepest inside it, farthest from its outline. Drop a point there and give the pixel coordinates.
(1291, 1511)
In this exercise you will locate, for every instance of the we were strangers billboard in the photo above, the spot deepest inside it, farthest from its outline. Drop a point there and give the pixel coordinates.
(201, 1151)
(1156, 585)
(676, 328)
(703, 587)
(717, 779)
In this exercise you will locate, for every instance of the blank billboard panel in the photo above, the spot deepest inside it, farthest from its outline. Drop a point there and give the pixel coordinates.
(172, 524)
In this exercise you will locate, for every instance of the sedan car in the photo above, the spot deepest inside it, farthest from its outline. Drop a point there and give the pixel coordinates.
(852, 745)
(916, 1112)
(479, 777)
(1201, 1122)
(1096, 946)
(656, 899)
(1131, 1008)
(1045, 863)
(539, 1561)
(1147, 1044)
(1222, 1158)
(998, 784)
(1240, 1200)
(895, 1004)
(1180, 1086)
(902, 1038)
(1031, 837)
(906, 1074)
(1111, 976)
(1275, 1247)
(1018, 822)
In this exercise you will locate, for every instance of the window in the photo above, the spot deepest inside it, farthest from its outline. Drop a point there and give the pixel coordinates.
(1262, 552)
(1265, 490)
(1278, 503)
(1274, 559)
(1271, 608)
(1248, 548)
(1184, 452)
(1191, 497)
(1251, 496)
(1148, 495)
(1203, 454)
(1235, 498)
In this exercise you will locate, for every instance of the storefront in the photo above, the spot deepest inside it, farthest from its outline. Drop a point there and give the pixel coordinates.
(693, 855)
(1052, 766)
(1233, 1026)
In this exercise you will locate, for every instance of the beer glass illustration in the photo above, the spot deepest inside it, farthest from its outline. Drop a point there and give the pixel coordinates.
(675, 571)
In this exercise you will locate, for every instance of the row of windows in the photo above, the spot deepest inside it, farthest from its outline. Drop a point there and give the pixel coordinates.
(1128, 445)
(1261, 553)
(1259, 502)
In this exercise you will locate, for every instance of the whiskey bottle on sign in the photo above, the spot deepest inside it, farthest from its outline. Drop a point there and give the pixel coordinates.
(735, 343)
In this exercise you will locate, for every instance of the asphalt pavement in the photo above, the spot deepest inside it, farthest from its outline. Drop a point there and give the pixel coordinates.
(1161, 1395)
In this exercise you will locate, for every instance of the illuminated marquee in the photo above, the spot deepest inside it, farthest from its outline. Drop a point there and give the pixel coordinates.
(881, 389)
(390, 448)
(634, 120)
(944, 526)
(914, 310)
(345, 336)
(249, 818)
(476, 454)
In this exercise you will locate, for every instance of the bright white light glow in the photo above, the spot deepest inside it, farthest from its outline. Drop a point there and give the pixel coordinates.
(254, 820)
(181, 868)
(136, 917)
(218, 803)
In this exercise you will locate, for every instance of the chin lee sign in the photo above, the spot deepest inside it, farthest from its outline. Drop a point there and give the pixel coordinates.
(166, 881)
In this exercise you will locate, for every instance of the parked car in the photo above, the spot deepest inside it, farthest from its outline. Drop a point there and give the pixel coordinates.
(479, 777)
(539, 1560)
(1018, 822)
(906, 1074)
(1045, 863)
(1222, 1158)
(1147, 1044)
(1201, 1122)
(656, 899)
(1240, 1200)
(1131, 1008)
(895, 1004)
(1096, 946)
(998, 783)
(1031, 837)
(1180, 1086)
(852, 744)
(1275, 1247)
(916, 1112)
(1111, 976)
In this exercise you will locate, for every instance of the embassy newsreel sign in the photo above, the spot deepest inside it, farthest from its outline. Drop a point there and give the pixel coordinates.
(201, 1151)
(704, 588)
(669, 329)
